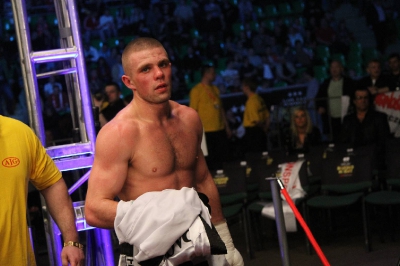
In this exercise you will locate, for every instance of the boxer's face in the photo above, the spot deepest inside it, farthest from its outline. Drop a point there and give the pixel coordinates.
(150, 75)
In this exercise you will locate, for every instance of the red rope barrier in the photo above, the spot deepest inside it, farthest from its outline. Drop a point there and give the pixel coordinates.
(305, 227)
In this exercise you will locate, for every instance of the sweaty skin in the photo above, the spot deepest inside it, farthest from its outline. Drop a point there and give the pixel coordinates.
(151, 145)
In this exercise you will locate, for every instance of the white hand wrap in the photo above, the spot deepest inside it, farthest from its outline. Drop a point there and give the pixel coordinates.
(233, 257)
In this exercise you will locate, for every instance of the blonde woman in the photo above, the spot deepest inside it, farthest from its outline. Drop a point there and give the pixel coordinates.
(302, 133)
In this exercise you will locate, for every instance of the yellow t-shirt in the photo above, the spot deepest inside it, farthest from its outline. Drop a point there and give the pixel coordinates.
(22, 159)
(206, 101)
(255, 111)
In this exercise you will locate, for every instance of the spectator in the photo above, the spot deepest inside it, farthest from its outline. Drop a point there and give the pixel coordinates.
(329, 98)
(260, 40)
(90, 53)
(376, 82)
(366, 126)
(394, 71)
(325, 34)
(311, 95)
(247, 70)
(103, 70)
(59, 100)
(133, 19)
(214, 23)
(107, 26)
(122, 22)
(105, 52)
(302, 133)
(246, 11)
(117, 71)
(343, 39)
(378, 21)
(91, 26)
(41, 37)
(115, 103)
(231, 15)
(255, 118)
(294, 36)
(49, 86)
(205, 99)
(183, 10)
(255, 59)
(303, 57)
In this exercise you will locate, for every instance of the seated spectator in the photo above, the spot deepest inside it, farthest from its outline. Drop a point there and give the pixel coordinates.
(294, 35)
(230, 76)
(115, 103)
(260, 39)
(246, 11)
(122, 22)
(365, 126)
(59, 100)
(302, 134)
(183, 10)
(103, 70)
(117, 71)
(282, 69)
(303, 57)
(255, 118)
(107, 26)
(376, 82)
(214, 19)
(90, 26)
(325, 34)
(254, 58)
(42, 38)
(231, 15)
(247, 70)
(90, 53)
(49, 86)
(343, 39)
(134, 18)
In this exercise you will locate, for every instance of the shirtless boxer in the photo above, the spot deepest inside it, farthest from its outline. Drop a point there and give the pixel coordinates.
(153, 144)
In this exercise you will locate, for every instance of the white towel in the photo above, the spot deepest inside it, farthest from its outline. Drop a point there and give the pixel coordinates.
(165, 223)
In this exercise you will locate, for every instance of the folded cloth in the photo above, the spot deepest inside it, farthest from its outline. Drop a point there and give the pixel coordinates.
(169, 225)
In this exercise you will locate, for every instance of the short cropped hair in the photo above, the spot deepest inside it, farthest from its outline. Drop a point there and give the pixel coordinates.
(136, 45)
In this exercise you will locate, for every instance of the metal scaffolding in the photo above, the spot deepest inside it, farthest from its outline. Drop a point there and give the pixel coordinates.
(68, 157)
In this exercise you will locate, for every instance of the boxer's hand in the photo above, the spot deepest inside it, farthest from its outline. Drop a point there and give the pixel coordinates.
(233, 257)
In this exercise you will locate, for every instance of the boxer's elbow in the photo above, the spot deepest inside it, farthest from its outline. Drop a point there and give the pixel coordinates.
(90, 215)
(97, 216)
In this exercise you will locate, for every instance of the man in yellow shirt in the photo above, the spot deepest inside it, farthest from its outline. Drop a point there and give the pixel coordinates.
(24, 159)
(205, 99)
(255, 118)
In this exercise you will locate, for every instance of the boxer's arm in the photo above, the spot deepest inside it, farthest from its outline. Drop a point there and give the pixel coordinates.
(203, 179)
(107, 177)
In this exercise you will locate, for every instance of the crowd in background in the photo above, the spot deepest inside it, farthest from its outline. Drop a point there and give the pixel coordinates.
(241, 38)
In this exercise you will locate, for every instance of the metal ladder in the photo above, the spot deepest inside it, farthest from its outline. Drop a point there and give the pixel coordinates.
(78, 155)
